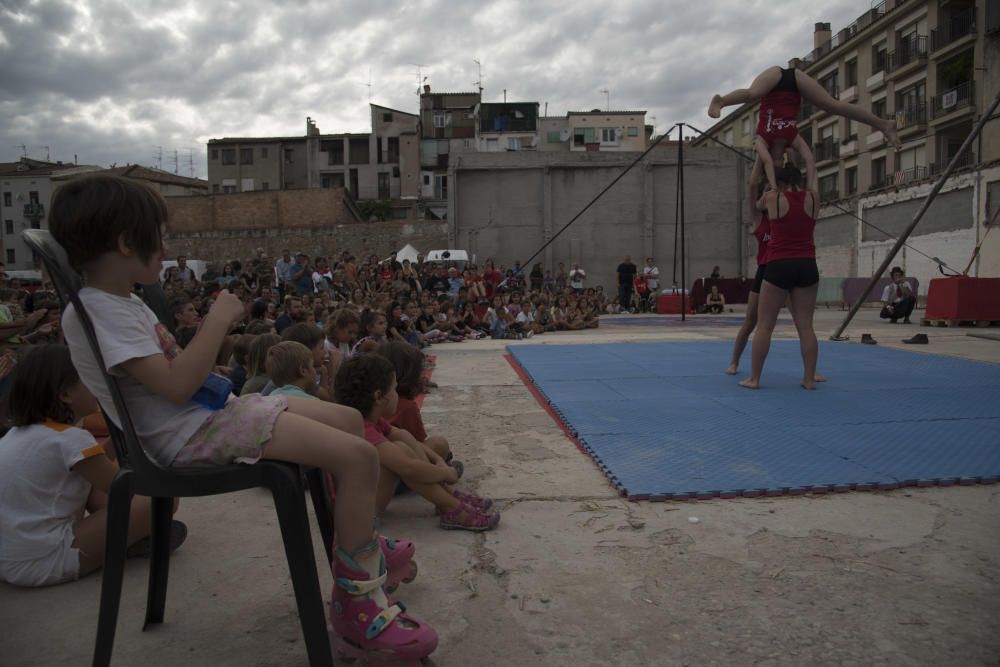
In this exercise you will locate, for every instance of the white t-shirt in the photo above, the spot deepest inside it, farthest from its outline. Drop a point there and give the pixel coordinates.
(889, 295)
(127, 329)
(39, 494)
(652, 275)
(576, 278)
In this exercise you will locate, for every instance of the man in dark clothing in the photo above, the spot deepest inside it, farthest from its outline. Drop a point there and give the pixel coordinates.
(897, 298)
(294, 313)
(301, 274)
(626, 273)
(437, 282)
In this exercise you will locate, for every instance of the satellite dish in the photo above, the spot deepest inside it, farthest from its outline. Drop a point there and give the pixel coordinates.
(564, 134)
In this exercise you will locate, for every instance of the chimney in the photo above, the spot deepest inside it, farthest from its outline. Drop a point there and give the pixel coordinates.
(427, 89)
(821, 36)
(311, 129)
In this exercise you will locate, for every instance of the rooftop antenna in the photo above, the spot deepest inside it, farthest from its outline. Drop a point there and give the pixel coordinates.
(369, 84)
(176, 161)
(479, 81)
(158, 156)
(190, 161)
(607, 98)
(652, 121)
(420, 77)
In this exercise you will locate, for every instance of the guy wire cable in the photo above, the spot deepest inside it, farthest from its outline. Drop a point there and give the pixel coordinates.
(937, 260)
(600, 194)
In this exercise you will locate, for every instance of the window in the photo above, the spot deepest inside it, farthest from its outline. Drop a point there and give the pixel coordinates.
(387, 117)
(829, 84)
(851, 180)
(553, 137)
(393, 155)
(383, 185)
(11, 256)
(880, 58)
(583, 136)
(427, 179)
(513, 143)
(324, 182)
(264, 185)
(395, 172)
(878, 108)
(228, 156)
(289, 156)
(609, 135)
(334, 151)
(215, 188)
(263, 153)
(745, 126)
(828, 187)
(246, 156)
(214, 154)
(7, 199)
(33, 196)
(850, 73)
(878, 173)
(633, 131)
(727, 136)
(228, 189)
(358, 150)
(441, 187)
(440, 118)
(8, 226)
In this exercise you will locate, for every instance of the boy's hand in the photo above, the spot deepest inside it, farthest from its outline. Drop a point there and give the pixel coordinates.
(228, 308)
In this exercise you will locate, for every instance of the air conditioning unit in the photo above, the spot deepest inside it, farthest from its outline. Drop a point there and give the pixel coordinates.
(949, 99)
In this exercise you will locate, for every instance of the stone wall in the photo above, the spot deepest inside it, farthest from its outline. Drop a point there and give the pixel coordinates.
(222, 227)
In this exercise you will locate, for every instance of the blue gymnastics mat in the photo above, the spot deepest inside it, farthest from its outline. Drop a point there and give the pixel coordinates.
(663, 421)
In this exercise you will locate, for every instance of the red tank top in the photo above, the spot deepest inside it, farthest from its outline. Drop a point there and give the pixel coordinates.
(779, 115)
(763, 234)
(792, 234)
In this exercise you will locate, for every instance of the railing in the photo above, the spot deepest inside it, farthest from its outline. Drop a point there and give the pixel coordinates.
(909, 51)
(34, 210)
(831, 87)
(954, 28)
(959, 97)
(880, 62)
(912, 115)
(831, 194)
(967, 160)
(904, 176)
(845, 35)
(828, 149)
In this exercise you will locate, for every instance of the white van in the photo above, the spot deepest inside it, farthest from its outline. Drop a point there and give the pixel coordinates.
(458, 258)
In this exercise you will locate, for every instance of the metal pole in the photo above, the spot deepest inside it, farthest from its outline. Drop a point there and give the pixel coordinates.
(680, 198)
(920, 214)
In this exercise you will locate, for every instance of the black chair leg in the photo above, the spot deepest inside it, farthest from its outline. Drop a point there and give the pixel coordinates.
(323, 509)
(289, 502)
(115, 547)
(159, 563)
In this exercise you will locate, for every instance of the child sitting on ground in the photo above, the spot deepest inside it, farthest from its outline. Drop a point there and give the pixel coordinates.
(341, 333)
(291, 368)
(54, 479)
(373, 328)
(368, 383)
(256, 359)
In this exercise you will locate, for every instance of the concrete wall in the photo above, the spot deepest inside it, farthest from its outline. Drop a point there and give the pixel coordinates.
(504, 206)
(219, 228)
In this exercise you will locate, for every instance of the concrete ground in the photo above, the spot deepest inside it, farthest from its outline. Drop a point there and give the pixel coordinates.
(574, 575)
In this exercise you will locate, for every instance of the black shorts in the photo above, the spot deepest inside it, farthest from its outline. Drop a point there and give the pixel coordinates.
(758, 278)
(792, 273)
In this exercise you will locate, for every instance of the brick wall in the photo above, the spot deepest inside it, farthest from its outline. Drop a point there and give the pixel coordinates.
(222, 227)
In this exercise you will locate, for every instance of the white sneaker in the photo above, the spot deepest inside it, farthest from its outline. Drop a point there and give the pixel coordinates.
(529, 334)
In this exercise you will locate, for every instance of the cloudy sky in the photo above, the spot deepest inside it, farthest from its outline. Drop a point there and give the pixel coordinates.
(110, 81)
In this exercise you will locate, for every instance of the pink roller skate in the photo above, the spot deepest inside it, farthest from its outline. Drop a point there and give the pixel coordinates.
(364, 624)
(398, 562)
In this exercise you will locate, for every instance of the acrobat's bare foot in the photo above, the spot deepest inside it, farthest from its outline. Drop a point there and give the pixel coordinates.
(715, 107)
(889, 130)
(731, 370)
(819, 378)
(808, 385)
(750, 383)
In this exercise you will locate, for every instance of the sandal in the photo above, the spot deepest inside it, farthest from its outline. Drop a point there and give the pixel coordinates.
(479, 502)
(466, 517)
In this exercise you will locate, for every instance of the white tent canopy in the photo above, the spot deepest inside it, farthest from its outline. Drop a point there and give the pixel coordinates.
(407, 252)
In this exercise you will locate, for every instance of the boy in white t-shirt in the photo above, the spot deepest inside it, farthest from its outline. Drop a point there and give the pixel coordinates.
(54, 479)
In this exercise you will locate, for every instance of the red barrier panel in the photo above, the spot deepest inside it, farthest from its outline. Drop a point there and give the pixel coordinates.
(961, 298)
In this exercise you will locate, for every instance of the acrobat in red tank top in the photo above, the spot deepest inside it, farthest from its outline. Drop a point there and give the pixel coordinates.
(792, 234)
(763, 234)
(779, 111)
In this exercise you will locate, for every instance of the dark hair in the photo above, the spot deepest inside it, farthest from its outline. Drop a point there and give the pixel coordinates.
(896, 269)
(345, 317)
(241, 348)
(408, 362)
(359, 378)
(309, 335)
(39, 378)
(88, 215)
(369, 318)
(257, 327)
(257, 356)
(258, 309)
(788, 175)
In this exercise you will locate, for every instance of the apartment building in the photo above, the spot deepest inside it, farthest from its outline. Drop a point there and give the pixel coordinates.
(379, 165)
(27, 186)
(506, 126)
(932, 66)
(448, 126)
(596, 130)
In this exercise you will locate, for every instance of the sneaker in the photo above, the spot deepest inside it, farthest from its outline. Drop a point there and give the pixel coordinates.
(529, 334)
(479, 502)
(917, 339)
(467, 517)
(866, 339)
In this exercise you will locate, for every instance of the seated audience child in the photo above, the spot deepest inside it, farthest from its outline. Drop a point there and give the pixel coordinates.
(290, 367)
(112, 230)
(238, 369)
(312, 337)
(368, 383)
(256, 363)
(427, 323)
(54, 479)
(398, 328)
(408, 364)
(341, 333)
(373, 328)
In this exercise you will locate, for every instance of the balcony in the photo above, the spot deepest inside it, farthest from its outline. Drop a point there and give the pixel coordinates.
(827, 149)
(953, 28)
(958, 99)
(967, 160)
(911, 118)
(904, 176)
(911, 52)
(34, 211)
